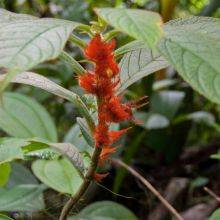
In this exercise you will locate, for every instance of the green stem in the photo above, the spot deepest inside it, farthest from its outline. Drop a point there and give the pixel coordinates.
(88, 178)
(77, 68)
(111, 34)
(76, 40)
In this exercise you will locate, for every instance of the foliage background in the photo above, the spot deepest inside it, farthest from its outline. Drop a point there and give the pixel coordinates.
(180, 130)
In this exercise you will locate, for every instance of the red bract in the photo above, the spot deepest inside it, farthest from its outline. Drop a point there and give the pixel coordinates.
(102, 83)
(88, 82)
(106, 152)
(101, 135)
(117, 111)
(99, 176)
(115, 135)
(101, 53)
(97, 50)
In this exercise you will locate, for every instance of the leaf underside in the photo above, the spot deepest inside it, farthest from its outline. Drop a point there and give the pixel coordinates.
(192, 45)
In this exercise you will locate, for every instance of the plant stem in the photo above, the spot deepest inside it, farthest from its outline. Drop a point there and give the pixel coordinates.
(76, 40)
(149, 186)
(77, 68)
(212, 194)
(88, 178)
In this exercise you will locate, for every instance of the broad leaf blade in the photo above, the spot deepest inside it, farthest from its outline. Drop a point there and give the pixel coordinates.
(72, 153)
(85, 131)
(166, 103)
(4, 217)
(215, 215)
(23, 117)
(36, 80)
(140, 24)
(58, 174)
(22, 198)
(20, 175)
(10, 16)
(74, 136)
(26, 41)
(138, 64)
(193, 47)
(152, 121)
(105, 210)
(11, 149)
(5, 170)
(133, 45)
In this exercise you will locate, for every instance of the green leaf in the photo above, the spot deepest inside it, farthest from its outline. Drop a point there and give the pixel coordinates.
(166, 103)
(4, 217)
(202, 117)
(133, 45)
(5, 170)
(22, 198)
(42, 82)
(77, 68)
(199, 182)
(10, 149)
(6, 16)
(216, 156)
(192, 45)
(137, 64)
(215, 215)
(140, 24)
(26, 41)
(85, 131)
(60, 175)
(105, 210)
(20, 175)
(152, 121)
(14, 148)
(72, 153)
(164, 83)
(74, 136)
(23, 117)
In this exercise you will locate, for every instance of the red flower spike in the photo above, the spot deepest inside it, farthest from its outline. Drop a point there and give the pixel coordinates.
(115, 135)
(99, 176)
(118, 112)
(98, 50)
(105, 87)
(102, 83)
(88, 82)
(106, 152)
(102, 54)
(101, 135)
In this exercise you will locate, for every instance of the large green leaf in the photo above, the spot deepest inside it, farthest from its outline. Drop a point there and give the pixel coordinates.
(166, 103)
(215, 215)
(152, 121)
(105, 210)
(60, 175)
(140, 24)
(85, 131)
(192, 45)
(138, 64)
(72, 153)
(74, 136)
(10, 149)
(133, 45)
(42, 82)
(4, 217)
(20, 175)
(26, 41)
(15, 148)
(23, 117)
(22, 198)
(5, 170)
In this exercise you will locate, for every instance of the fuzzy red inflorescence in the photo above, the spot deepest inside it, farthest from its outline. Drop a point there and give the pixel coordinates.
(102, 82)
